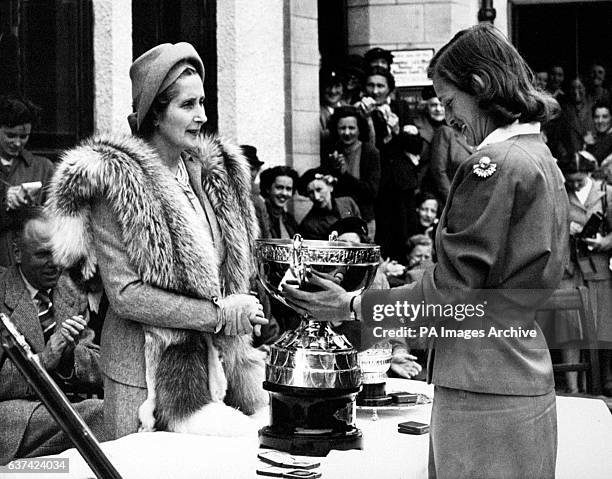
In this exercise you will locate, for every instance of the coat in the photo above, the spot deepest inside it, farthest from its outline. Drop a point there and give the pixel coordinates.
(504, 232)
(365, 188)
(116, 207)
(25, 169)
(17, 398)
(448, 150)
(317, 222)
(593, 270)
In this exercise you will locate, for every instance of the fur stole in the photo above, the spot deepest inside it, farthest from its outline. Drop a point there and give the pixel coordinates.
(160, 241)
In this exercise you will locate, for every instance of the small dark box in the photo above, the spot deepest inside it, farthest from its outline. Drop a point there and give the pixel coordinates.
(413, 427)
(404, 398)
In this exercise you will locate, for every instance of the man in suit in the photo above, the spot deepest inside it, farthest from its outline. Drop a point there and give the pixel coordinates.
(46, 307)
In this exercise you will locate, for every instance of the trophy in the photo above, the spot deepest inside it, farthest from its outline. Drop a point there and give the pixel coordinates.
(374, 364)
(312, 373)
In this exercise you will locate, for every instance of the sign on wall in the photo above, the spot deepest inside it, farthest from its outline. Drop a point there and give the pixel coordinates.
(409, 67)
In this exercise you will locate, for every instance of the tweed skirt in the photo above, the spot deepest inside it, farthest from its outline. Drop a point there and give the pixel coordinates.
(475, 435)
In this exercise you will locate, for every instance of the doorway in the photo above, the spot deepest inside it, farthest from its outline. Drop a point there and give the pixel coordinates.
(570, 34)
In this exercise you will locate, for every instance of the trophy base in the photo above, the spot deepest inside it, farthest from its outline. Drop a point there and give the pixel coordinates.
(310, 444)
(373, 395)
(310, 421)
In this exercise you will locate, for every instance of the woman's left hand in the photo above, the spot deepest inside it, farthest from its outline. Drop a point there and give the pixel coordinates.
(330, 303)
(393, 122)
(599, 243)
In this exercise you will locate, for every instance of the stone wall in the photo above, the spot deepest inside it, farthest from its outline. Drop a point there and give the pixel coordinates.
(267, 77)
(112, 60)
(405, 24)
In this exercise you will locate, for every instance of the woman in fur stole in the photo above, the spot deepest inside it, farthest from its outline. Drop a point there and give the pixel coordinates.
(166, 216)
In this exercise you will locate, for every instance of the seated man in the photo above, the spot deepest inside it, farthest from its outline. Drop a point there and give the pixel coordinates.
(46, 308)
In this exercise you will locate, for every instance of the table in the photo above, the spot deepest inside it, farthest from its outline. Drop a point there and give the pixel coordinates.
(585, 448)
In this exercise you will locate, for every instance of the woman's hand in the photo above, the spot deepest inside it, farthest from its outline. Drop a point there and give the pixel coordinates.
(241, 314)
(393, 122)
(575, 228)
(589, 138)
(599, 243)
(366, 105)
(330, 303)
(16, 197)
(392, 268)
(341, 165)
(338, 163)
(405, 365)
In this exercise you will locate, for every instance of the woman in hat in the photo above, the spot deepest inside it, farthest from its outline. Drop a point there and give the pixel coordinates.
(330, 91)
(166, 216)
(318, 185)
(503, 231)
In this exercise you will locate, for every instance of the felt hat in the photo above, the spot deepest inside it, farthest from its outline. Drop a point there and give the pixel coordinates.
(153, 72)
(355, 65)
(378, 52)
(314, 174)
(250, 153)
(428, 92)
(350, 224)
(329, 76)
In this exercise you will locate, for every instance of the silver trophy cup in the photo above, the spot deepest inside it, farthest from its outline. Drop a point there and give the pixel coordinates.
(312, 372)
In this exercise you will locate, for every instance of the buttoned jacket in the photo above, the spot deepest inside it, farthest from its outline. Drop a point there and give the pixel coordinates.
(17, 398)
(503, 232)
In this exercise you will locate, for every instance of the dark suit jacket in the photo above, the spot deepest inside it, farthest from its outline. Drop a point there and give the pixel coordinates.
(506, 232)
(17, 399)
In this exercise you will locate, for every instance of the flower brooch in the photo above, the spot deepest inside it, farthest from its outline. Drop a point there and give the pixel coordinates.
(485, 167)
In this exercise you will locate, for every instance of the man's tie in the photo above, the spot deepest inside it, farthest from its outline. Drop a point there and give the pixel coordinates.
(45, 314)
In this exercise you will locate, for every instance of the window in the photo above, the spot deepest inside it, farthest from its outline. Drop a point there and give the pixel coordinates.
(46, 54)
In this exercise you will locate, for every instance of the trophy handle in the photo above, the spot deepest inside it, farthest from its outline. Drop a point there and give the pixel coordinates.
(298, 268)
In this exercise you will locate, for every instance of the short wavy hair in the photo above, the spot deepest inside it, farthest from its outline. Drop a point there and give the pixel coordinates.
(383, 72)
(16, 110)
(481, 62)
(267, 178)
(346, 112)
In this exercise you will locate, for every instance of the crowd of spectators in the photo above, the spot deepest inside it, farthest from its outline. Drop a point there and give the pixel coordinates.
(385, 173)
(393, 166)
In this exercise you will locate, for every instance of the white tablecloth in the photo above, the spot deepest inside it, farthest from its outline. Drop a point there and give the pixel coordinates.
(585, 448)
